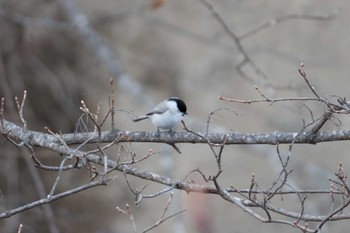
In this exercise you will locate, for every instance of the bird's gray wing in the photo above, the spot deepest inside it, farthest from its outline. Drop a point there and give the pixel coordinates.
(159, 109)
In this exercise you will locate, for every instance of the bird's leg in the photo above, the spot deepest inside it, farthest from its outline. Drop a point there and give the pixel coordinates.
(171, 132)
(157, 133)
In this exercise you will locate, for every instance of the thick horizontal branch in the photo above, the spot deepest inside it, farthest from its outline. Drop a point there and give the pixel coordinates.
(40, 139)
(51, 142)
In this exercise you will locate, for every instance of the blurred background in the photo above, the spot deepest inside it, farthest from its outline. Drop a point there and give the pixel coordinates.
(155, 49)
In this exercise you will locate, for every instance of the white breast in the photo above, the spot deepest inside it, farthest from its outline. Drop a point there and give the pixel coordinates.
(169, 118)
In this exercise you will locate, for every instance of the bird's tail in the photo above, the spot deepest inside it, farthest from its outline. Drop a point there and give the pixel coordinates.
(140, 118)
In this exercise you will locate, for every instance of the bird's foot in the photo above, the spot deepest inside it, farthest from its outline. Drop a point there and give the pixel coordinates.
(157, 133)
(171, 132)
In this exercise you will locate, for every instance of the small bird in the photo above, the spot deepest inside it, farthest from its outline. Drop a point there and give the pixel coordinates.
(166, 114)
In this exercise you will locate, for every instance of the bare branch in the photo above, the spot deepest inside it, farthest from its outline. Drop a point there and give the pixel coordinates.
(162, 219)
(128, 213)
(283, 173)
(303, 74)
(2, 105)
(35, 138)
(246, 58)
(111, 102)
(20, 107)
(49, 199)
(20, 228)
(101, 152)
(284, 18)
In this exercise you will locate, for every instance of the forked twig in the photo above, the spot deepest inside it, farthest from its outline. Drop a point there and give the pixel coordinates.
(128, 213)
(20, 107)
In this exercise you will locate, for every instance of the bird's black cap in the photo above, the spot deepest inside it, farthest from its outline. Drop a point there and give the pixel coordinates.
(180, 104)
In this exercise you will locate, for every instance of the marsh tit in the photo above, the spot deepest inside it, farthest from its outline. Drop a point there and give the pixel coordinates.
(166, 114)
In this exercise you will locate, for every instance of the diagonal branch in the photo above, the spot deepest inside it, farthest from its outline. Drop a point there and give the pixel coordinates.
(50, 199)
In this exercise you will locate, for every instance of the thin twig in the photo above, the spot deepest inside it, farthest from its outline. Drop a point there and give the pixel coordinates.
(288, 99)
(64, 168)
(303, 74)
(134, 191)
(246, 58)
(128, 213)
(161, 218)
(168, 189)
(283, 172)
(302, 202)
(20, 107)
(112, 102)
(20, 228)
(2, 106)
(58, 177)
(275, 21)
